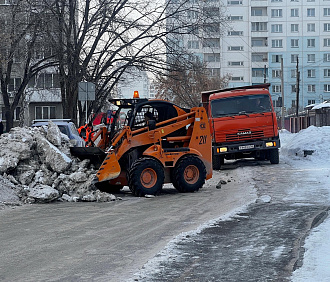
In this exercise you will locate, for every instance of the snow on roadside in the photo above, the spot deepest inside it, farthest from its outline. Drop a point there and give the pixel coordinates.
(316, 258)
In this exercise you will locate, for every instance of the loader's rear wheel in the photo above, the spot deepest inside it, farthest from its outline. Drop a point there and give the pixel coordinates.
(146, 176)
(189, 174)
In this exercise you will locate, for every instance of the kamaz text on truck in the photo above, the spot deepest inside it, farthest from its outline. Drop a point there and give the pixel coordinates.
(243, 124)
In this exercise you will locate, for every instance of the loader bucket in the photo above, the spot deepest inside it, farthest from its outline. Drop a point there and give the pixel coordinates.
(95, 154)
(109, 169)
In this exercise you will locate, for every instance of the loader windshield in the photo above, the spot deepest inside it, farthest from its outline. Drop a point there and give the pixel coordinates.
(241, 105)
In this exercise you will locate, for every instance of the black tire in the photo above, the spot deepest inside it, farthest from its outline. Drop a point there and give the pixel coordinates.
(274, 156)
(189, 174)
(217, 162)
(146, 176)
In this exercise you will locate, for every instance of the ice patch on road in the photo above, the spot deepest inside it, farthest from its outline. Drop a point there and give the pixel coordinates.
(171, 252)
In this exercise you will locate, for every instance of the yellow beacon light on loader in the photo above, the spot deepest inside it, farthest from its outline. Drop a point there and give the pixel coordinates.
(136, 94)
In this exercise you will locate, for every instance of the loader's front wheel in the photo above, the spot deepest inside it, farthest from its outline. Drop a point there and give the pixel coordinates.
(146, 177)
(189, 174)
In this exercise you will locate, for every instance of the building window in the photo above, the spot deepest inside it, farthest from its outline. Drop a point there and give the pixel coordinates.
(237, 78)
(293, 73)
(294, 12)
(293, 88)
(259, 26)
(310, 58)
(276, 58)
(327, 27)
(311, 73)
(45, 112)
(214, 71)
(311, 88)
(257, 12)
(258, 42)
(276, 13)
(258, 72)
(294, 58)
(235, 18)
(310, 43)
(326, 42)
(276, 1)
(326, 12)
(235, 48)
(311, 12)
(327, 73)
(259, 57)
(235, 33)
(211, 43)
(294, 27)
(326, 87)
(193, 44)
(46, 80)
(277, 43)
(277, 28)
(326, 57)
(212, 57)
(293, 103)
(276, 73)
(294, 43)
(236, 64)
(276, 88)
(311, 102)
(311, 27)
(14, 84)
(235, 2)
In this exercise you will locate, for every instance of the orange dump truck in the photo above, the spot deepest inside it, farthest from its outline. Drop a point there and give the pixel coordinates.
(243, 124)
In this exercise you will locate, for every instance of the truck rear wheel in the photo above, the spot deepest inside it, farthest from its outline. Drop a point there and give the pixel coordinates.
(274, 156)
(217, 162)
(146, 177)
(189, 174)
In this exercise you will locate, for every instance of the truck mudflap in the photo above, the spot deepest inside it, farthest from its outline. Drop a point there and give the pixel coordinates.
(246, 147)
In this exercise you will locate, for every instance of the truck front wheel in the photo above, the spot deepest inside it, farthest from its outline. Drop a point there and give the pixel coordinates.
(189, 174)
(146, 177)
(217, 162)
(274, 156)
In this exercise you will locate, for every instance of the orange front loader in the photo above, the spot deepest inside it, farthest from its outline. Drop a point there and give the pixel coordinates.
(174, 146)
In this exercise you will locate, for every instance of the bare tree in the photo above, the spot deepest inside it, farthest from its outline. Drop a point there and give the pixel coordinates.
(97, 41)
(22, 29)
(184, 87)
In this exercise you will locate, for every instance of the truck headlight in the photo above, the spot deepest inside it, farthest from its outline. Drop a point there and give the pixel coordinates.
(270, 144)
(222, 150)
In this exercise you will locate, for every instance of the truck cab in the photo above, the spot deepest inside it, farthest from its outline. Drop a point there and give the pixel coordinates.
(243, 124)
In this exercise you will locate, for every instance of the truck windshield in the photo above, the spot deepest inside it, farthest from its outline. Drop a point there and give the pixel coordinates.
(241, 105)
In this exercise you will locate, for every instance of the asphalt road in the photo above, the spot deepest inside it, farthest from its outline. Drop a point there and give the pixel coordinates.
(108, 241)
(262, 243)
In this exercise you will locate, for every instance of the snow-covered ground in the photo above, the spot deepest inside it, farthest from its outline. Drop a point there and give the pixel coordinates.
(316, 260)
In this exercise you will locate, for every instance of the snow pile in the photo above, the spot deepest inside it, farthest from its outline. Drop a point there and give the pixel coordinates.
(310, 143)
(36, 166)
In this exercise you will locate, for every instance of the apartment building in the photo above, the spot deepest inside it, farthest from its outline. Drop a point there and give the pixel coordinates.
(258, 34)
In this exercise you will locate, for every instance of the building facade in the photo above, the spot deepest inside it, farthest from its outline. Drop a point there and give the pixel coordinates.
(258, 34)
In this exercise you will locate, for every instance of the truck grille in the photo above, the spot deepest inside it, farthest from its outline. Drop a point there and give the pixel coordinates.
(244, 135)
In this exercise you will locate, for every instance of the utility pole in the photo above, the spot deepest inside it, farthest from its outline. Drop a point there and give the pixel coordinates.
(297, 95)
(282, 91)
(265, 75)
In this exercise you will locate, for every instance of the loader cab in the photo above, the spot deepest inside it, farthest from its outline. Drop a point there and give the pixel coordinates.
(131, 112)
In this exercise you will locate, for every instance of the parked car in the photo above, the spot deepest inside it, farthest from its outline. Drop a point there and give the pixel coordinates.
(66, 126)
